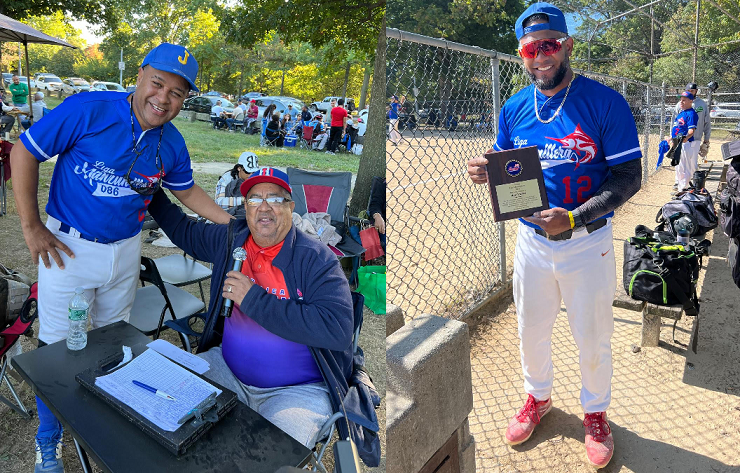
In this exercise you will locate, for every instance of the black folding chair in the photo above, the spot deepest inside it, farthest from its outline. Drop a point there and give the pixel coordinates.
(179, 270)
(153, 302)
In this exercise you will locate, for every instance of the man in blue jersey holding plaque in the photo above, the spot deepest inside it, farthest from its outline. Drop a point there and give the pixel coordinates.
(115, 151)
(590, 157)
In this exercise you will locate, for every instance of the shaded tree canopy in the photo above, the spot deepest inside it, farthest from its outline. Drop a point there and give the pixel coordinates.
(97, 12)
(488, 24)
(349, 24)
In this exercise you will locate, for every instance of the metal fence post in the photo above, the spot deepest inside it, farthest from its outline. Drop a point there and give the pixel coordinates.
(624, 89)
(646, 152)
(501, 227)
(662, 112)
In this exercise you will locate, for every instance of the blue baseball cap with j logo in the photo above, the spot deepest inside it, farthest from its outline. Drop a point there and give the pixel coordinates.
(175, 59)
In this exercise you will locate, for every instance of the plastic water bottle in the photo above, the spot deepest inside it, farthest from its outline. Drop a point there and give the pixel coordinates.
(78, 308)
(683, 238)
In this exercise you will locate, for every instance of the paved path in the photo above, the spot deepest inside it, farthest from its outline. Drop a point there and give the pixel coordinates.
(671, 411)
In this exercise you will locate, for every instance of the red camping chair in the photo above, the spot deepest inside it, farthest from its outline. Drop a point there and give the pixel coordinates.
(326, 192)
(9, 337)
(307, 137)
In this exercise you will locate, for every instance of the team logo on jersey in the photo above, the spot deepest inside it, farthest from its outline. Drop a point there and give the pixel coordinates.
(150, 179)
(513, 167)
(680, 121)
(584, 147)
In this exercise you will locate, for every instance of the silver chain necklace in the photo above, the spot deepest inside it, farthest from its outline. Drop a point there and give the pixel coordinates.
(537, 111)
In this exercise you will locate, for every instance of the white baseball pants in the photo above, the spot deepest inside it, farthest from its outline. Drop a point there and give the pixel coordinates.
(108, 272)
(393, 133)
(688, 164)
(581, 272)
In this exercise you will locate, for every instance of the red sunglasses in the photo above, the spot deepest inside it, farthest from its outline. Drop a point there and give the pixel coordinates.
(547, 46)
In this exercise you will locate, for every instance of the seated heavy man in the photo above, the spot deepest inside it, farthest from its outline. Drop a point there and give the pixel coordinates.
(290, 298)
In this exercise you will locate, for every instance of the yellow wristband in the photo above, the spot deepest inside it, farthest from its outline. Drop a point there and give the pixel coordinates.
(572, 221)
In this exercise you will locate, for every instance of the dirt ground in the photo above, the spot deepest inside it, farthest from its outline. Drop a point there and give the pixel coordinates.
(671, 411)
(17, 434)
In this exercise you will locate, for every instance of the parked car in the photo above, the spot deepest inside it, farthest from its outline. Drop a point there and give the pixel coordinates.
(725, 110)
(203, 104)
(281, 104)
(215, 93)
(74, 85)
(253, 95)
(50, 83)
(24, 80)
(100, 85)
(324, 105)
(131, 88)
(8, 79)
(668, 113)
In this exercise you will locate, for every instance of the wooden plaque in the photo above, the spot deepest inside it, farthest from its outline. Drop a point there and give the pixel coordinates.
(516, 183)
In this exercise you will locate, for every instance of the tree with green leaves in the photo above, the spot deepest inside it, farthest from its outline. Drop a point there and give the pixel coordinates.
(484, 23)
(347, 26)
(97, 12)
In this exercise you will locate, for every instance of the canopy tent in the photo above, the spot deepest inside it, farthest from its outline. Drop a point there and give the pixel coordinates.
(17, 32)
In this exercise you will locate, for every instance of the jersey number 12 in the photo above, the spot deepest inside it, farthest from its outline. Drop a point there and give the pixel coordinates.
(584, 185)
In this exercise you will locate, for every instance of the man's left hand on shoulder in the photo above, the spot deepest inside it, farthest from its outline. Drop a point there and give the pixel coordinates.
(552, 221)
(236, 286)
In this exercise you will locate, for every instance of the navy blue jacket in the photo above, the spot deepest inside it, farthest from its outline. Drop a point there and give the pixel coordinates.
(319, 312)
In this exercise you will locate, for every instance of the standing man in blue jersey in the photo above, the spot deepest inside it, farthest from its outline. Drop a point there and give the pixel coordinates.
(394, 135)
(590, 158)
(114, 152)
(685, 125)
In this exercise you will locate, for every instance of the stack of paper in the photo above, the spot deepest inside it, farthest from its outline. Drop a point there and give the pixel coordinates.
(155, 370)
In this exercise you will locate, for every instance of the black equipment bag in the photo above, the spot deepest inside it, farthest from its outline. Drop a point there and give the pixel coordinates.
(729, 202)
(662, 272)
(692, 209)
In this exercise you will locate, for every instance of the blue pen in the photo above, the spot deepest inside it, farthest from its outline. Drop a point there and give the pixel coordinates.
(154, 390)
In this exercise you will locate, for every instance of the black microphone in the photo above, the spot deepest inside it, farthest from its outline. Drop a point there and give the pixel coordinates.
(239, 254)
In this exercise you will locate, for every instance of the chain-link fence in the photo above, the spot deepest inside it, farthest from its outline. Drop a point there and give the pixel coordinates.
(446, 254)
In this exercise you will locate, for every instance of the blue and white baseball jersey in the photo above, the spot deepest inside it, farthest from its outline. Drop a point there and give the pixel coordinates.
(91, 133)
(593, 131)
(685, 121)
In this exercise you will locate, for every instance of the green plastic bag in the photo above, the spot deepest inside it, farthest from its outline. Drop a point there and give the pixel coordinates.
(371, 284)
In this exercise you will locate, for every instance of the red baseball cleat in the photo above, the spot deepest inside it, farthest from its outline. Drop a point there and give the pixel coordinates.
(599, 440)
(523, 423)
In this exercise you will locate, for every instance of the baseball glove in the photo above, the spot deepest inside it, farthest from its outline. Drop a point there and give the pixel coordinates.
(704, 150)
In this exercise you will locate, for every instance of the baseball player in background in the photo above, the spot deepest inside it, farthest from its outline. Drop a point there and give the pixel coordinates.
(114, 151)
(690, 150)
(685, 125)
(590, 157)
